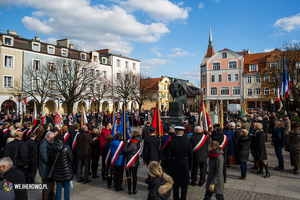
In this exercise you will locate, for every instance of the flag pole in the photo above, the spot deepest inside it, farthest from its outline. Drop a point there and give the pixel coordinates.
(113, 114)
(124, 121)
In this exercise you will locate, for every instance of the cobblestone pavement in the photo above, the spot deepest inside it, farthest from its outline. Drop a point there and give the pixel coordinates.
(281, 185)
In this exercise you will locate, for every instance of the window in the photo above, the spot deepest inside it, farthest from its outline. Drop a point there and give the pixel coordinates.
(213, 78)
(8, 40)
(36, 64)
(228, 77)
(126, 65)
(279, 65)
(118, 63)
(104, 87)
(257, 79)
(216, 66)
(97, 73)
(224, 90)
(276, 78)
(104, 60)
(97, 87)
(273, 66)
(232, 65)
(249, 79)
(266, 78)
(51, 49)
(95, 58)
(298, 65)
(253, 68)
(249, 91)
(275, 90)
(203, 91)
(203, 79)
(83, 56)
(36, 46)
(8, 81)
(224, 55)
(8, 61)
(118, 75)
(92, 72)
(105, 74)
(213, 91)
(126, 76)
(51, 66)
(36, 83)
(52, 85)
(235, 90)
(236, 77)
(220, 78)
(257, 91)
(66, 68)
(266, 91)
(133, 66)
(64, 52)
(84, 71)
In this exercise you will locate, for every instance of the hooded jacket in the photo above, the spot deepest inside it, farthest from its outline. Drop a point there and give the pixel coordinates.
(103, 135)
(159, 187)
(62, 171)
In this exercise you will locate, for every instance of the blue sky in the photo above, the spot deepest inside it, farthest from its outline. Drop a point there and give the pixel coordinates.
(169, 37)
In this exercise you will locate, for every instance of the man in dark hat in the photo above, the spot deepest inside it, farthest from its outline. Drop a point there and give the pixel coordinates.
(152, 147)
(181, 160)
(214, 132)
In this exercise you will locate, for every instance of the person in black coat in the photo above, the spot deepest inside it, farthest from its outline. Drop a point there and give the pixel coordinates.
(260, 149)
(199, 142)
(15, 176)
(221, 138)
(278, 137)
(242, 152)
(181, 161)
(132, 150)
(152, 148)
(62, 158)
(95, 152)
(165, 141)
(32, 157)
(107, 172)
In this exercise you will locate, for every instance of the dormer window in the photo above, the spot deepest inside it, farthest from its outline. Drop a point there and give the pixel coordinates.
(253, 68)
(50, 49)
(64, 52)
(36, 46)
(83, 56)
(9, 41)
(104, 60)
(224, 55)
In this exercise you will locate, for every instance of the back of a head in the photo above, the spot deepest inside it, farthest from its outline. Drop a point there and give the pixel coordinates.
(119, 136)
(155, 169)
(6, 161)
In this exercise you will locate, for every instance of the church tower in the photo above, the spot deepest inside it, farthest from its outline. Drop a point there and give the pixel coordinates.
(210, 49)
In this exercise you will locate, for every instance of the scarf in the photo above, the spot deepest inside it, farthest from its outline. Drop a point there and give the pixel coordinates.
(213, 156)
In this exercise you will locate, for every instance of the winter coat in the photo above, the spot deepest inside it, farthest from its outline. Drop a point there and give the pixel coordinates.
(45, 163)
(159, 187)
(152, 149)
(32, 150)
(242, 149)
(215, 173)
(131, 148)
(17, 151)
(62, 171)
(246, 125)
(15, 176)
(103, 136)
(230, 137)
(260, 147)
(287, 125)
(293, 141)
(272, 124)
(278, 136)
(5, 193)
(145, 132)
(96, 145)
(165, 151)
(113, 148)
(84, 145)
(201, 154)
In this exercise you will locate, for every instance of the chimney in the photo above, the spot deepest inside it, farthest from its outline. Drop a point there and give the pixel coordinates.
(161, 76)
(37, 39)
(63, 43)
(103, 51)
(10, 32)
(71, 46)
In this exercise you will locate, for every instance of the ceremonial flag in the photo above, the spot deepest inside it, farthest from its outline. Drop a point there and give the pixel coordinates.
(58, 118)
(124, 126)
(83, 117)
(34, 114)
(284, 84)
(43, 115)
(278, 95)
(115, 125)
(156, 121)
(221, 115)
(204, 121)
(289, 85)
(25, 102)
(216, 114)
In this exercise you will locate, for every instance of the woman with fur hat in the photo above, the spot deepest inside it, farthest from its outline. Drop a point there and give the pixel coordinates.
(132, 150)
(260, 149)
(159, 184)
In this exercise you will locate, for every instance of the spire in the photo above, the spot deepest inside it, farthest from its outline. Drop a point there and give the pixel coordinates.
(210, 43)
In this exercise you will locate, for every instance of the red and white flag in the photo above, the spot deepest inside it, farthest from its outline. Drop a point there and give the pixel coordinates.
(25, 102)
(58, 118)
(34, 114)
(43, 115)
(278, 95)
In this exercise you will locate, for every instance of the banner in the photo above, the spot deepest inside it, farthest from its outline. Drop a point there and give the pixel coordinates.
(124, 126)
(58, 118)
(156, 121)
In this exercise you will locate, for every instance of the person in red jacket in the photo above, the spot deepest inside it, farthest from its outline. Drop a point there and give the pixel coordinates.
(103, 135)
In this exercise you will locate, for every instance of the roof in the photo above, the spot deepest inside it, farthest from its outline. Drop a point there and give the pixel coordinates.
(210, 52)
(152, 84)
(192, 91)
(257, 58)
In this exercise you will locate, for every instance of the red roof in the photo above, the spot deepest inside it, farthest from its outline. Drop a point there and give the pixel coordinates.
(152, 84)
(257, 58)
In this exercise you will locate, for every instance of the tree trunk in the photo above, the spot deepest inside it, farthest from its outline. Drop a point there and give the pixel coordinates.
(70, 106)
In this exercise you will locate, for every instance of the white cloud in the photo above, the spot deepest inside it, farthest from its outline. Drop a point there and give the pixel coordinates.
(191, 75)
(275, 35)
(155, 51)
(96, 26)
(217, 1)
(148, 66)
(201, 5)
(288, 23)
(162, 10)
(268, 50)
(295, 41)
(178, 52)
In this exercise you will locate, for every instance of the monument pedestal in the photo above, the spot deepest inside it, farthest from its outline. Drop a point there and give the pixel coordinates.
(175, 113)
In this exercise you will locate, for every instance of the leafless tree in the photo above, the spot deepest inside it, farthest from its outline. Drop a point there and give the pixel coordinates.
(146, 92)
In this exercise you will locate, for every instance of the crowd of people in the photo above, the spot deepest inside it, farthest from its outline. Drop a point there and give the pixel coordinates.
(174, 159)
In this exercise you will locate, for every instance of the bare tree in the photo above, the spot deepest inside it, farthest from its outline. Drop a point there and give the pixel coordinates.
(126, 86)
(146, 93)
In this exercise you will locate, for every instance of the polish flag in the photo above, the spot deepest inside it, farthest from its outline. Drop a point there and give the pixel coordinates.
(34, 114)
(278, 95)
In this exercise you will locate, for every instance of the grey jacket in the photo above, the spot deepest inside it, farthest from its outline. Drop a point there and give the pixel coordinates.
(215, 173)
(45, 163)
(6, 193)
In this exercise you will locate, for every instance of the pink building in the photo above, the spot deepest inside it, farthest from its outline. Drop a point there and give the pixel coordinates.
(221, 76)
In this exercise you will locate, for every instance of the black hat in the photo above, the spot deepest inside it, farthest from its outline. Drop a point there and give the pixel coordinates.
(152, 129)
(166, 129)
(217, 125)
(179, 126)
